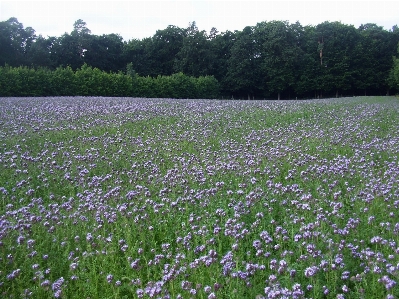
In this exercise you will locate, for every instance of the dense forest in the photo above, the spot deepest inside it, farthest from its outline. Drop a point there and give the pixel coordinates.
(273, 59)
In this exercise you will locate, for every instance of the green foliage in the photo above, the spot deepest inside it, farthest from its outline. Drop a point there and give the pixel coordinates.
(112, 206)
(243, 73)
(268, 60)
(207, 87)
(24, 81)
(394, 74)
(91, 81)
(64, 81)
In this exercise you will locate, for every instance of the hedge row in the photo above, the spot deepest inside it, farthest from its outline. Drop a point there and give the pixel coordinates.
(89, 81)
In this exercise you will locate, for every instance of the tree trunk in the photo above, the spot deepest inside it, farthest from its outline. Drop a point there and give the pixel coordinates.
(336, 94)
(278, 96)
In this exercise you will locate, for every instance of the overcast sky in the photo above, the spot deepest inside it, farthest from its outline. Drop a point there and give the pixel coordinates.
(137, 19)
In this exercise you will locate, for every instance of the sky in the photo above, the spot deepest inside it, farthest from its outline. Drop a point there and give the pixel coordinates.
(138, 19)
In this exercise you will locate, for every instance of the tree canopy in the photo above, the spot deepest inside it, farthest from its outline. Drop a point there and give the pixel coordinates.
(273, 59)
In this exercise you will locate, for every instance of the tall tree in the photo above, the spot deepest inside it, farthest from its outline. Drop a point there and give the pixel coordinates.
(15, 41)
(105, 52)
(339, 47)
(307, 60)
(195, 57)
(376, 59)
(137, 53)
(41, 52)
(70, 49)
(166, 44)
(394, 72)
(221, 45)
(243, 71)
(278, 52)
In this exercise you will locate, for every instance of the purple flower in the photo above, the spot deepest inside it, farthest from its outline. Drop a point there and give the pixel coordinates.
(110, 277)
(46, 283)
(345, 275)
(311, 271)
(89, 237)
(14, 274)
(57, 284)
(58, 293)
(388, 283)
(140, 293)
(73, 266)
(135, 264)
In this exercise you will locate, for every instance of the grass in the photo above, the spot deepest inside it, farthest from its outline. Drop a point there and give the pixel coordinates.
(199, 199)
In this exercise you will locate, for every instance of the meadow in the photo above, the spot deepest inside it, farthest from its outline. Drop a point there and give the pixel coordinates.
(164, 198)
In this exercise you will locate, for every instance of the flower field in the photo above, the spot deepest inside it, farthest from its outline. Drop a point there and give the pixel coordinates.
(163, 198)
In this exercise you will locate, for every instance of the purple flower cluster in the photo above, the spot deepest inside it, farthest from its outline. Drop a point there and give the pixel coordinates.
(182, 199)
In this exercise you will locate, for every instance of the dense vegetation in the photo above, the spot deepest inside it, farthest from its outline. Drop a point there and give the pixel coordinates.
(89, 81)
(161, 198)
(271, 59)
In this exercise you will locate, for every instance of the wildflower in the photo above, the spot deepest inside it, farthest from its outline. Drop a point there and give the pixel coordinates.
(140, 293)
(311, 271)
(135, 264)
(45, 283)
(345, 275)
(389, 283)
(56, 286)
(110, 277)
(14, 274)
(89, 237)
(345, 289)
(58, 293)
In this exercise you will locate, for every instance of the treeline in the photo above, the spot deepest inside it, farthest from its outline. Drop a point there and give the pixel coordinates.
(269, 60)
(89, 81)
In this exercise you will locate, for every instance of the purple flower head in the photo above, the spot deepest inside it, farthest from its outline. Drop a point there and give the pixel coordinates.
(135, 264)
(110, 277)
(212, 296)
(388, 283)
(57, 284)
(58, 293)
(73, 266)
(311, 271)
(14, 274)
